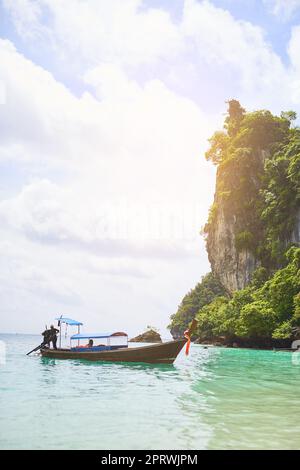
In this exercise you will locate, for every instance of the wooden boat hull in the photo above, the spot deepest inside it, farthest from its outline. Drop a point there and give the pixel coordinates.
(163, 353)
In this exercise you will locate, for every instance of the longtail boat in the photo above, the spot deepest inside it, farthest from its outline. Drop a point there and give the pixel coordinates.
(114, 347)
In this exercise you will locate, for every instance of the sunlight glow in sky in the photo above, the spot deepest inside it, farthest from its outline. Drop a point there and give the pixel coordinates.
(105, 112)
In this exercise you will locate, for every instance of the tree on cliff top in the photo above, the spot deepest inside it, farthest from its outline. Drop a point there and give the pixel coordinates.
(235, 114)
(258, 130)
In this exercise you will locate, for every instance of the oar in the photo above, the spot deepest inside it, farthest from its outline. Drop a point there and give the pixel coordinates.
(37, 348)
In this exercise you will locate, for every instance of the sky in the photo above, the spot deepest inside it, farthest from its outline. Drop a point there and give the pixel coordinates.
(105, 113)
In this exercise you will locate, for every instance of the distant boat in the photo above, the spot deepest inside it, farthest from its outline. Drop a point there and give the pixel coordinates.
(115, 347)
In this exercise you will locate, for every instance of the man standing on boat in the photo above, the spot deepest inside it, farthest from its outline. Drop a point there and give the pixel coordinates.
(50, 336)
(46, 335)
(53, 336)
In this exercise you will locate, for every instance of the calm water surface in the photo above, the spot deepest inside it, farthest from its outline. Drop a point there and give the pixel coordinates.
(214, 399)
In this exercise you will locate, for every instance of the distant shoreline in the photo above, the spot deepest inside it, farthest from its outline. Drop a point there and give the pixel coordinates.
(20, 334)
(212, 344)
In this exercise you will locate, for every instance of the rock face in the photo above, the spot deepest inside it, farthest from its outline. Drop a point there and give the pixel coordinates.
(296, 232)
(233, 267)
(149, 336)
(255, 216)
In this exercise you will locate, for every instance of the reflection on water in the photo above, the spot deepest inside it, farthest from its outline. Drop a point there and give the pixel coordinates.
(215, 398)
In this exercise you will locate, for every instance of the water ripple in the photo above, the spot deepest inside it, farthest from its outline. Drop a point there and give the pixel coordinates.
(215, 398)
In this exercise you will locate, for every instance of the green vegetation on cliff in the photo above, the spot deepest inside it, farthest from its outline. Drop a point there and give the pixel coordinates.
(258, 186)
(258, 180)
(259, 313)
(205, 292)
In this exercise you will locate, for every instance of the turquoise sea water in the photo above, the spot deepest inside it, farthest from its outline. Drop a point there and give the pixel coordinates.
(214, 399)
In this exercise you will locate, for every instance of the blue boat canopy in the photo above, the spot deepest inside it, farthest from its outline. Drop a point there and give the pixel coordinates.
(97, 335)
(68, 321)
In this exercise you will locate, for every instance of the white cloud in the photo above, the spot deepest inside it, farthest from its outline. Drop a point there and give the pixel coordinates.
(294, 72)
(47, 213)
(121, 160)
(294, 48)
(283, 8)
(125, 37)
(239, 51)
(97, 30)
(27, 17)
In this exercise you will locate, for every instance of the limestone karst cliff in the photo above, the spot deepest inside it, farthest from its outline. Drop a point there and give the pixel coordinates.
(255, 215)
(232, 266)
(252, 234)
